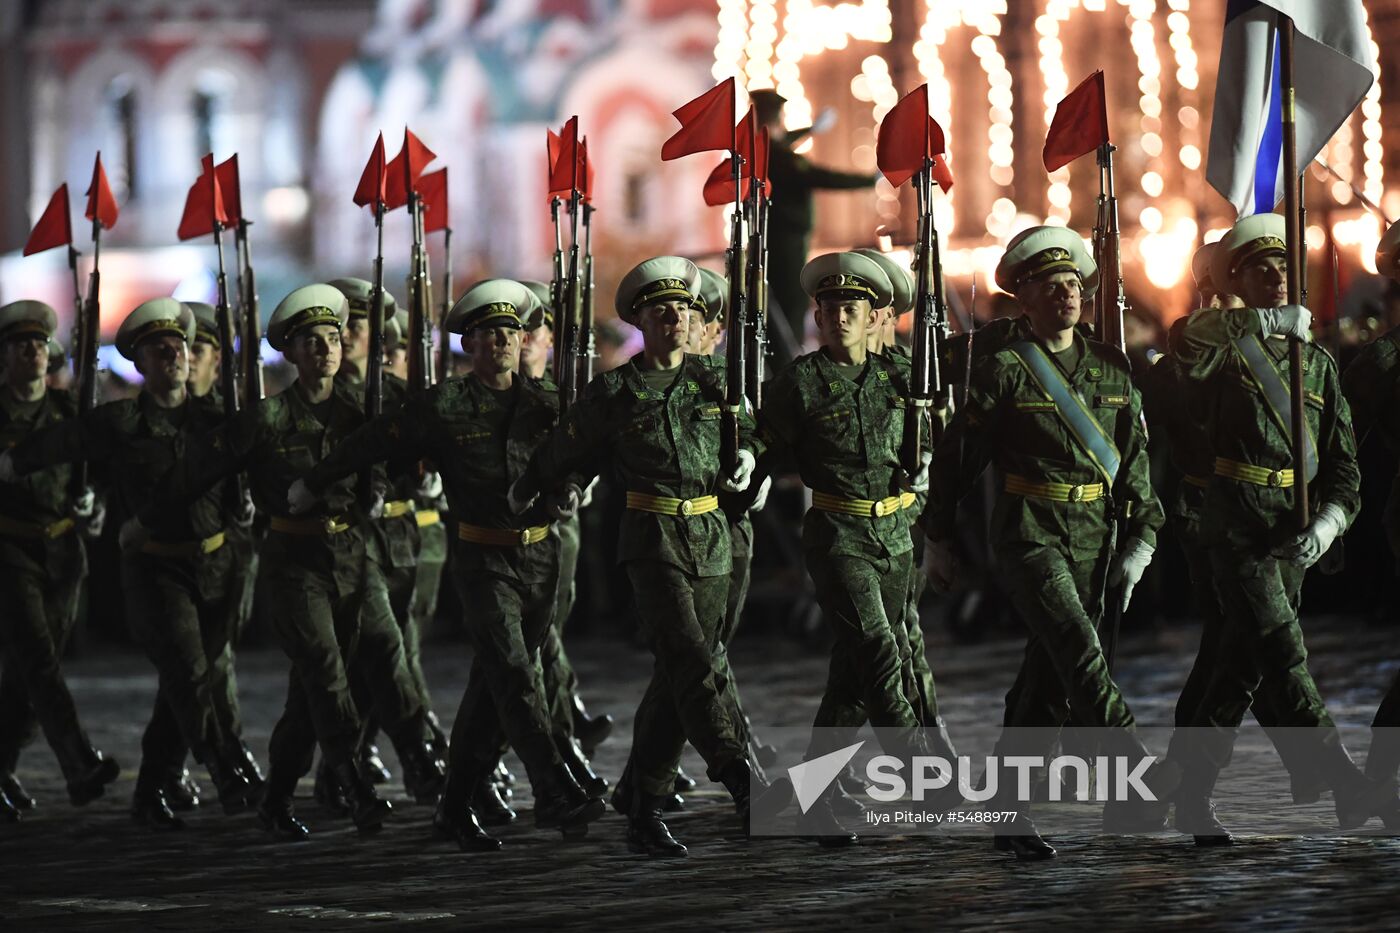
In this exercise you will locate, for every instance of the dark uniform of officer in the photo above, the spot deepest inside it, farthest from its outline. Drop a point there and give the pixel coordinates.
(42, 565)
(481, 433)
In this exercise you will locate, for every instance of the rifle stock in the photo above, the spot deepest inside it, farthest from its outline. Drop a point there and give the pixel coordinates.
(445, 346)
(566, 325)
(926, 389)
(1109, 306)
(419, 337)
(587, 346)
(86, 357)
(251, 337)
(756, 334)
(735, 330)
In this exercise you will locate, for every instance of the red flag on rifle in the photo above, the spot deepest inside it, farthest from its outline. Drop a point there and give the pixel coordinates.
(1080, 124)
(230, 191)
(754, 147)
(432, 188)
(370, 191)
(941, 172)
(567, 170)
(204, 205)
(101, 206)
(907, 136)
(403, 171)
(54, 227)
(707, 123)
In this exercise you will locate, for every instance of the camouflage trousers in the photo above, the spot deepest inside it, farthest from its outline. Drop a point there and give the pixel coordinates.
(40, 610)
(560, 681)
(689, 697)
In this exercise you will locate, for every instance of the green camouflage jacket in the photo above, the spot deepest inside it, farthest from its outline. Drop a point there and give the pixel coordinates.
(1370, 385)
(449, 425)
(1008, 422)
(1242, 428)
(41, 497)
(843, 438)
(660, 443)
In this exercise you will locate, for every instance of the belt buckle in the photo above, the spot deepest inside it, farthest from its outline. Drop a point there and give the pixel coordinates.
(879, 509)
(524, 536)
(1076, 493)
(328, 525)
(687, 507)
(1275, 479)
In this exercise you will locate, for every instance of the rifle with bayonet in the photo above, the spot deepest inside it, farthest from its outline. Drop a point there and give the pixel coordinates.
(928, 394)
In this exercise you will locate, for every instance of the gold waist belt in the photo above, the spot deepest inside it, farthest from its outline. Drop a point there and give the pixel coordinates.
(502, 537)
(426, 517)
(664, 505)
(18, 529)
(184, 548)
(865, 508)
(1053, 492)
(1254, 475)
(397, 508)
(317, 526)
(1200, 482)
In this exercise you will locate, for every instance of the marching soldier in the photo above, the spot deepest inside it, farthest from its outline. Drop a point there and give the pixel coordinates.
(1369, 384)
(1258, 559)
(180, 591)
(1057, 416)
(561, 682)
(480, 430)
(654, 423)
(396, 529)
(1183, 417)
(42, 565)
(328, 603)
(837, 414)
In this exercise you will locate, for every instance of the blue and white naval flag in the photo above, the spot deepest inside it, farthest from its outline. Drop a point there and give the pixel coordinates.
(1333, 68)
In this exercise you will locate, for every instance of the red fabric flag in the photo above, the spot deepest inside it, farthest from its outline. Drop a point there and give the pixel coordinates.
(101, 206)
(585, 172)
(404, 170)
(204, 205)
(566, 171)
(907, 136)
(719, 186)
(941, 172)
(432, 188)
(1080, 124)
(54, 227)
(230, 190)
(370, 191)
(707, 123)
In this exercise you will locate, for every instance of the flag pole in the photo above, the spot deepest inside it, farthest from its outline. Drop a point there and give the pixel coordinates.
(445, 348)
(1294, 249)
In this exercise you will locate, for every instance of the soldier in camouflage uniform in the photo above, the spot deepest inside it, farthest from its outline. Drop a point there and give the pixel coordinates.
(654, 422)
(480, 430)
(326, 592)
(1257, 555)
(560, 681)
(1058, 418)
(42, 565)
(1370, 385)
(838, 415)
(181, 601)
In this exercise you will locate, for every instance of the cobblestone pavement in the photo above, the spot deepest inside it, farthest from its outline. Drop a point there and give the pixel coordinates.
(62, 868)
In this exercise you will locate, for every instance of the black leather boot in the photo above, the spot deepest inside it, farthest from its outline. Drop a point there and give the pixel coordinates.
(460, 825)
(181, 790)
(236, 793)
(590, 731)
(1195, 816)
(9, 813)
(327, 790)
(561, 803)
(821, 825)
(487, 803)
(684, 782)
(276, 813)
(372, 766)
(579, 767)
(243, 758)
(93, 773)
(13, 789)
(621, 799)
(423, 774)
(1026, 843)
(752, 796)
(437, 741)
(367, 808)
(148, 804)
(647, 833)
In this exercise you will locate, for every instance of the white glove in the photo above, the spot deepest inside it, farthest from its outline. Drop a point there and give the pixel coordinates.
(940, 565)
(587, 498)
(739, 481)
(133, 534)
(301, 499)
(7, 468)
(516, 500)
(244, 513)
(93, 524)
(761, 499)
(430, 486)
(376, 503)
(1128, 568)
(562, 506)
(1307, 548)
(1288, 321)
(919, 481)
(84, 504)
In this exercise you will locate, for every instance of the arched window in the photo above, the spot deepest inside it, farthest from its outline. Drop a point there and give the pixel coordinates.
(210, 111)
(118, 137)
